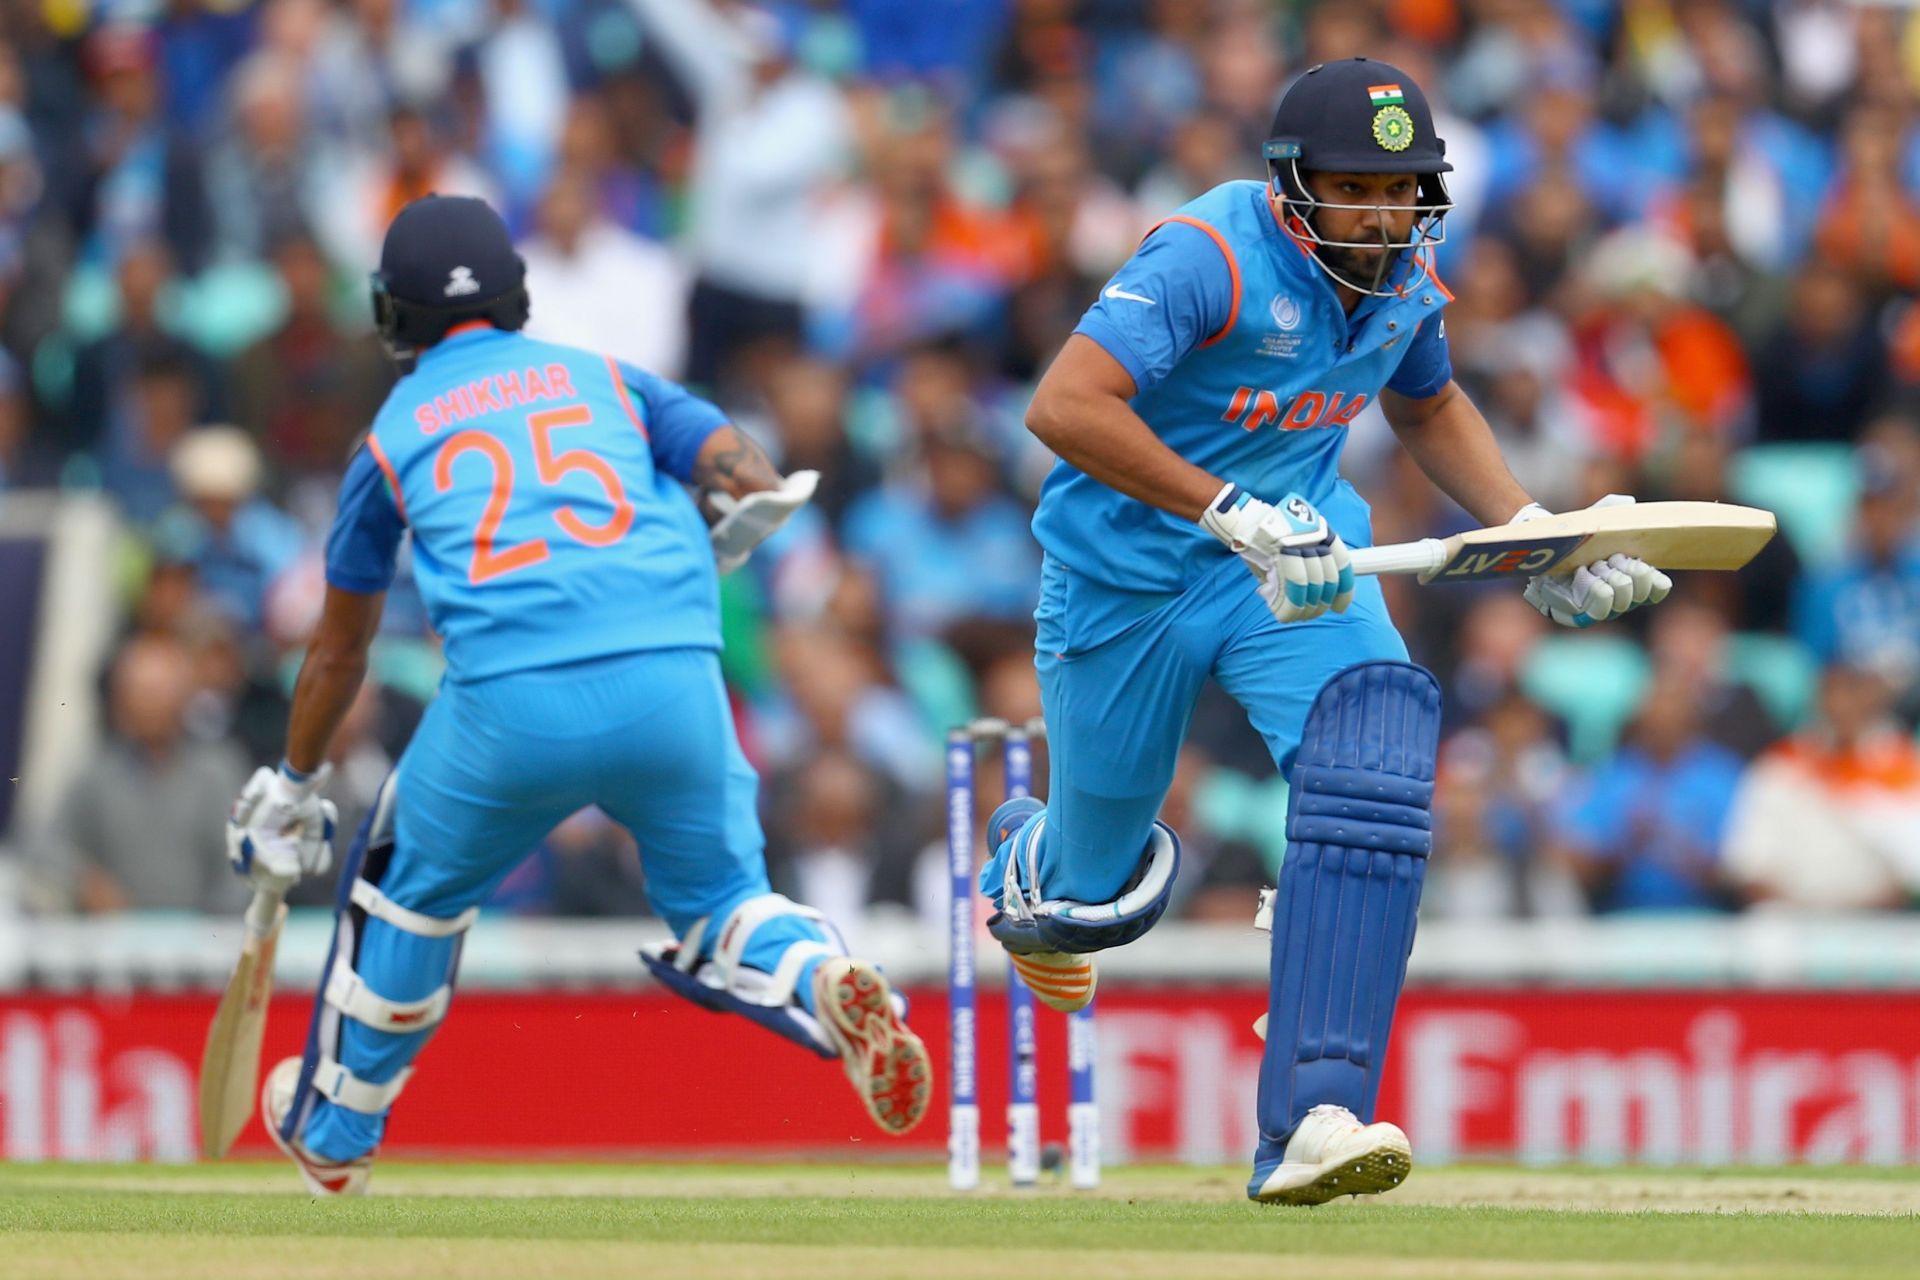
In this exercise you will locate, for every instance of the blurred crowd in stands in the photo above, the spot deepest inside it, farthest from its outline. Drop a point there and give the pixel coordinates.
(1685, 252)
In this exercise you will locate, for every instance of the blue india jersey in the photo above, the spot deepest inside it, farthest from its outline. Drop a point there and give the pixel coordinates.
(1244, 363)
(542, 487)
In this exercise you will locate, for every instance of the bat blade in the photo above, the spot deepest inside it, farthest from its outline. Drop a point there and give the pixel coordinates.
(230, 1065)
(1667, 535)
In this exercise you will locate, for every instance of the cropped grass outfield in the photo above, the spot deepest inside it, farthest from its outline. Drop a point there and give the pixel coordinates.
(831, 1222)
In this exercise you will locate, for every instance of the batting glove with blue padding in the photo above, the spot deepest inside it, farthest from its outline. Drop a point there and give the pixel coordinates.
(1303, 567)
(1597, 592)
(280, 829)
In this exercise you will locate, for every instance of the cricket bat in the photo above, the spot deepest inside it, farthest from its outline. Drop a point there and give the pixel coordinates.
(1667, 535)
(230, 1067)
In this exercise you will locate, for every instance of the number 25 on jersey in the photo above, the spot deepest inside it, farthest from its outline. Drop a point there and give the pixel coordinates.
(490, 562)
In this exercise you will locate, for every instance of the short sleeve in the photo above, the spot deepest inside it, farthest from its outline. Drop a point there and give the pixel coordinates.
(676, 421)
(1174, 294)
(1427, 367)
(363, 547)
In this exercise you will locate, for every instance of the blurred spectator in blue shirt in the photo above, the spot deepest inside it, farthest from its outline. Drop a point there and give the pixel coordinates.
(1501, 781)
(1145, 82)
(1558, 127)
(1864, 609)
(1823, 371)
(237, 542)
(106, 369)
(144, 177)
(166, 398)
(199, 43)
(1645, 830)
(949, 546)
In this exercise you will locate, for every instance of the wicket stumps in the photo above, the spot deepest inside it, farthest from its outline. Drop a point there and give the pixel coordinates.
(1023, 1106)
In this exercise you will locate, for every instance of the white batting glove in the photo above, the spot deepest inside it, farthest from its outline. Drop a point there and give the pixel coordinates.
(1303, 567)
(1596, 592)
(280, 829)
(747, 522)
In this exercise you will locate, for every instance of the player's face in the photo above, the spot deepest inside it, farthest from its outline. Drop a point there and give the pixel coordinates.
(1386, 221)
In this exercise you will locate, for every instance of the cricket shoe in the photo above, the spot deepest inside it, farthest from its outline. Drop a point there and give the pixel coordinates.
(1332, 1154)
(885, 1060)
(323, 1177)
(1058, 979)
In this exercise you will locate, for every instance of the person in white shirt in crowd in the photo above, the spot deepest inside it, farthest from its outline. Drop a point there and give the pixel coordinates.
(771, 140)
(601, 286)
(1829, 820)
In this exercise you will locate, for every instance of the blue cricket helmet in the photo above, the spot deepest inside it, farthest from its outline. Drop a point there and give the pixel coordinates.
(1357, 116)
(446, 260)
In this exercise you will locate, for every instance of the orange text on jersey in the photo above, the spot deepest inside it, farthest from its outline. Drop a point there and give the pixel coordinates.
(493, 393)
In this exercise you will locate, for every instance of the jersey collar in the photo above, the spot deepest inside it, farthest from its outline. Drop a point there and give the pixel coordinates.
(460, 335)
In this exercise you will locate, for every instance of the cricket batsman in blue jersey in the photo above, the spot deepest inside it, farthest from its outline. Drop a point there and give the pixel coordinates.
(1198, 412)
(575, 585)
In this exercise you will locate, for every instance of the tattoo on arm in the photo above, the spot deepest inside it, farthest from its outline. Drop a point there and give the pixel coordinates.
(732, 463)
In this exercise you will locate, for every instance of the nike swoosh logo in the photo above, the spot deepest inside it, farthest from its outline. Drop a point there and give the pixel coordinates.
(1115, 291)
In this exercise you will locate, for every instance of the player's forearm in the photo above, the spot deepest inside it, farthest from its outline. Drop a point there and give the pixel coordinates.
(330, 677)
(329, 682)
(731, 463)
(1102, 436)
(1453, 444)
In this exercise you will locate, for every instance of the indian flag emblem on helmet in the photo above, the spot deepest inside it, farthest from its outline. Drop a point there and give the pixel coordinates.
(1386, 95)
(1393, 128)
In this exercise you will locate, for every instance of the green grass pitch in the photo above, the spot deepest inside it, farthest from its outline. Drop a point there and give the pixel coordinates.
(841, 1222)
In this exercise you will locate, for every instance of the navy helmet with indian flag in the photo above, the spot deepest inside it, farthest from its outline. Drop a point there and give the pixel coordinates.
(1357, 116)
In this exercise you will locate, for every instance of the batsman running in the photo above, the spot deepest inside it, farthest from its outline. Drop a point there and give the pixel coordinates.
(1198, 412)
(575, 584)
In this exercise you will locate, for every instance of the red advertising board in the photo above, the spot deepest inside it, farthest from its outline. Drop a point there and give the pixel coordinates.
(1688, 1077)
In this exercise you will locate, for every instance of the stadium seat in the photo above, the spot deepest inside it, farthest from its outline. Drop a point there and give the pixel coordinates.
(225, 309)
(1592, 682)
(936, 681)
(1811, 487)
(1234, 806)
(1778, 669)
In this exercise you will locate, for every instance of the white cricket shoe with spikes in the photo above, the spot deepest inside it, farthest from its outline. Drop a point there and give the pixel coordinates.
(885, 1060)
(1332, 1154)
(323, 1177)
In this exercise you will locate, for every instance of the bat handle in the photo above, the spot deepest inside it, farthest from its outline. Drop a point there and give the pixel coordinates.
(1424, 556)
(263, 913)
